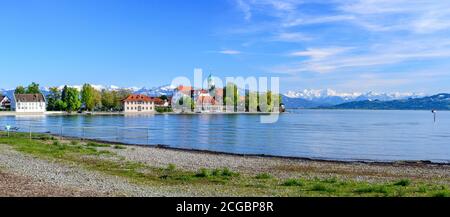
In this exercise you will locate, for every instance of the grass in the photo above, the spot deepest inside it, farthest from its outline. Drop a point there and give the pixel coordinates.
(263, 176)
(403, 182)
(211, 181)
(119, 147)
(372, 189)
(442, 194)
(95, 144)
(319, 187)
(292, 182)
(171, 167)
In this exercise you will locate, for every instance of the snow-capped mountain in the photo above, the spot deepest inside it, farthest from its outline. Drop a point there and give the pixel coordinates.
(46, 90)
(332, 97)
(95, 86)
(167, 90)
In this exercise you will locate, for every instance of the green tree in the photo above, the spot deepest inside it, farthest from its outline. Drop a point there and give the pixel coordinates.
(71, 99)
(163, 97)
(33, 88)
(231, 95)
(251, 101)
(60, 105)
(90, 97)
(120, 95)
(20, 90)
(108, 99)
(52, 99)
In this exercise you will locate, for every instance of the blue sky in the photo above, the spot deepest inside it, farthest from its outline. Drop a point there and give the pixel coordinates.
(352, 45)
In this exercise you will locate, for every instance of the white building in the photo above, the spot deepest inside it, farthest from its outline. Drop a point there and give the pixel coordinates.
(28, 103)
(137, 103)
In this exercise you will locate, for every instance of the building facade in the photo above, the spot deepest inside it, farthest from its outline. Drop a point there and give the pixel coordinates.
(28, 103)
(138, 103)
(5, 103)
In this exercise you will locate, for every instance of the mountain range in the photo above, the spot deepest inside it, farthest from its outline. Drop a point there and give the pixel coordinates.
(436, 102)
(310, 98)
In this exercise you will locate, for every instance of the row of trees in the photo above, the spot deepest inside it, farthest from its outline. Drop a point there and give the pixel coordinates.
(33, 88)
(70, 99)
(251, 102)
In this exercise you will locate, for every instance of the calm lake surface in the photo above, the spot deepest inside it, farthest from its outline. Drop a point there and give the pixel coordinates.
(322, 134)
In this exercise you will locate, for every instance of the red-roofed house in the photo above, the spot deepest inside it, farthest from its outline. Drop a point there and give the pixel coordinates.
(138, 103)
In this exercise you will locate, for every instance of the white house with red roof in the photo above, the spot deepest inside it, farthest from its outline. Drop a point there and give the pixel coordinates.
(138, 103)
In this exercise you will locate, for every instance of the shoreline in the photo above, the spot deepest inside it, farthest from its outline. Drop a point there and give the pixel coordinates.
(111, 169)
(11, 113)
(277, 157)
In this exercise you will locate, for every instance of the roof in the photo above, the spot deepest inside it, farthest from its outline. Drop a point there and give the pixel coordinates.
(138, 98)
(157, 100)
(206, 100)
(182, 88)
(29, 97)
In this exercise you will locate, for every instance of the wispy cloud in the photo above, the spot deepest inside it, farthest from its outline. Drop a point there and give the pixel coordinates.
(245, 8)
(230, 52)
(325, 60)
(291, 37)
(419, 16)
(347, 37)
(319, 53)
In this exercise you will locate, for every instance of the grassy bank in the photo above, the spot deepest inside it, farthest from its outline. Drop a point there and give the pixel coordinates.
(210, 181)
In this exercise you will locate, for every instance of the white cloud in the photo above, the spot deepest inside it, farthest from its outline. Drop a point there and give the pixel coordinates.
(245, 8)
(325, 60)
(319, 53)
(417, 16)
(230, 52)
(317, 20)
(291, 37)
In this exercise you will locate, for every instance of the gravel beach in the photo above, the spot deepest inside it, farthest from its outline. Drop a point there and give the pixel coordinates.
(25, 175)
(284, 167)
(42, 176)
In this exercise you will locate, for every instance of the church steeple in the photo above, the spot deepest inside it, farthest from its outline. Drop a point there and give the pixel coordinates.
(211, 85)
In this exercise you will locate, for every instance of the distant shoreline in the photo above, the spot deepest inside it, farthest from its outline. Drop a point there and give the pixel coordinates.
(10, 113)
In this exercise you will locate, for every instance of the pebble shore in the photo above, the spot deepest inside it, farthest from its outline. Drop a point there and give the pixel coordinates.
(38, 177)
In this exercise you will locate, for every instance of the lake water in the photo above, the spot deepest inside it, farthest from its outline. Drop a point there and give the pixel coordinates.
(322, 134)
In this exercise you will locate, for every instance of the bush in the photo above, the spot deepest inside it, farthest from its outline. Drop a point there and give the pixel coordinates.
(372, 189)
(74, 142)
(203, 173)
(330, 180)
(319, 187)
(224, 173)
(171, 167)
(292, 182)
(403, 182)
(263, 176)
(163, 109)
(119, 147)
(94, 144)
(228, 172)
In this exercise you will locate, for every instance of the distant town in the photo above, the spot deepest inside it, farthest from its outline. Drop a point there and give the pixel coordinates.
(184, 99)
